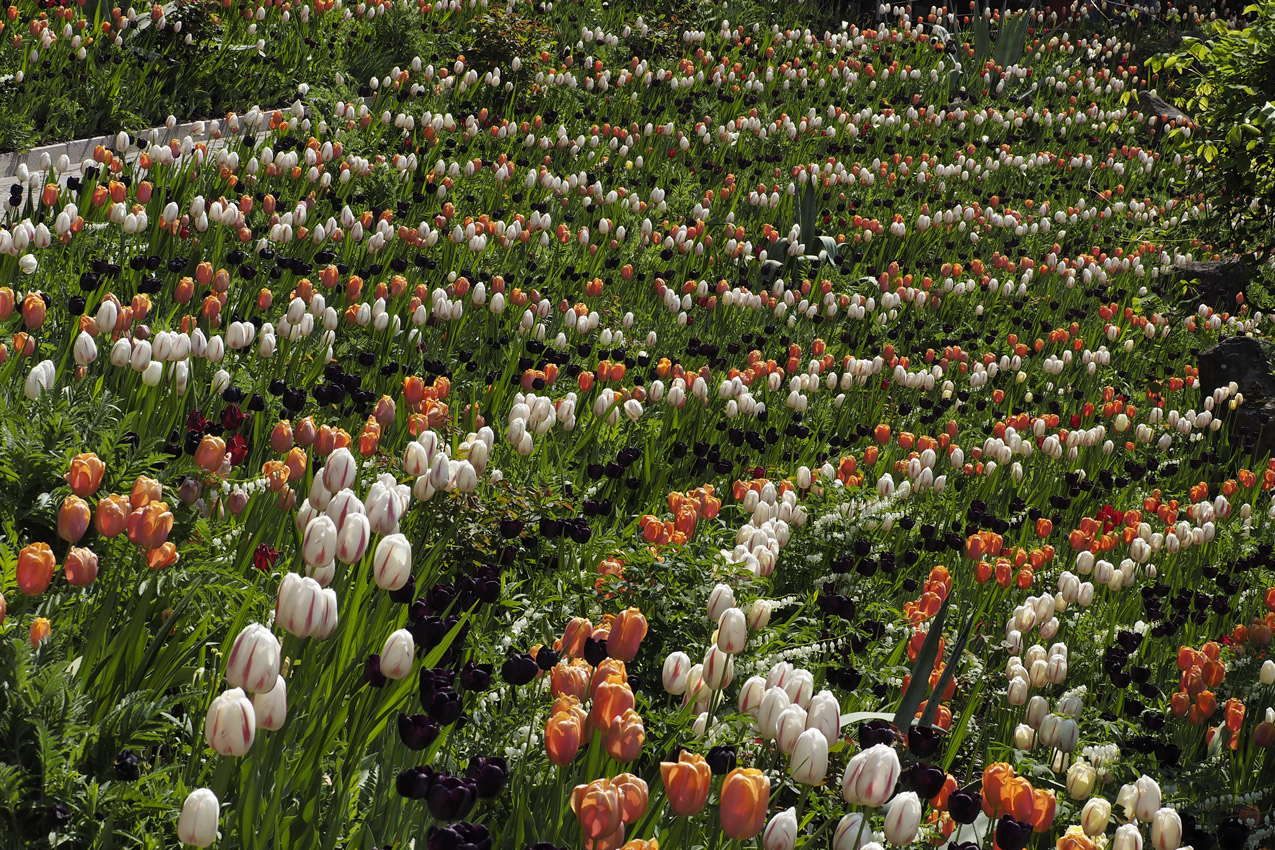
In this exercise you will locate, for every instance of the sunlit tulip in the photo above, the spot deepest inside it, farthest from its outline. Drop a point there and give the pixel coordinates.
(745, 796)
(627, 631)
(305, 609)
(81, 566)
(1166, 829)
(392, 562)
(903, 819)
(197, 824)
(35, 568)
(808, 764)
(686, 783)
(231, 724)
(870, 776)
(597, 809)
(562, 737)
(210, 452)
(85, 474)
(41, 628)
(148, 526)
(1080, 780)
(318, 544)
(774, 702)
(1127, 837)
(73, 518)
(1148, 799)
(624, 736)
(825, 715)
(853, 833)
(750, 695)
(111, 519)
(1095, 816)
(732, 631)
(781, 832)
(398, 654)
(254, 660)
(271, 707)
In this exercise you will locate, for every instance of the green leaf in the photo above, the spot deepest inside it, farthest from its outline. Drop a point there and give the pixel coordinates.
(920, 671)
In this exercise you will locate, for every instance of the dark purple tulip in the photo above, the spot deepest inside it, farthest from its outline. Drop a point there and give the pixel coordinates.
(1012, 834)
(595, 651)
(372, 671)
(416, 731)
(443, 706)
(923, 741)
(519, 669)
(510, 528)
(1232, 833)
(489, 773)
(405, 594)
(452, 797)
(876, 732)
(476, 677)
(964, 805)
(721, 760)
(927, 780)
(546, 658)
(458, 836)
(414, 782)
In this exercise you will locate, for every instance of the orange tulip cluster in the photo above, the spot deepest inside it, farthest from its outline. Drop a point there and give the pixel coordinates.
(1098, 534)
(611, 713)
(935, 590)
(1005, 793)
(688, 508)
(739, 489)
(425, 404)
(1202, 670)
(605, 806)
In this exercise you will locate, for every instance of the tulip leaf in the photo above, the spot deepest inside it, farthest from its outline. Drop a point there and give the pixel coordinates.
(932, 707)
(921, 670)
(809, 209)
(830, 245)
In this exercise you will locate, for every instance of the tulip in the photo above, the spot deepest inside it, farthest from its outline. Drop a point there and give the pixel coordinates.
(1095, 816)
(870, 776)
(73, 519)
(41, 628)
(790, 726)
(809, 762)
(112, 514)
(1166, 829)
(781, 832)
(597, 809)
(627, 631)
(1148, 800)
(271, 707)
(148, 526)
(1080, 780)
(624, 736)
(35, 568)
(719, 669)
(231, 724)
(85, 474)
(721, 598)
(352, 539)
(318, 543)
(686, 783)
(750, 695)
(81, 566)
(562, 737)
(305, 609)
(850, 832)
(732, 631)
(676, 666)
(392, 562)
(1267, 674)
(209, 454)
(744, 798)
(1127, 838)
(340, 470)
(611, 698)
(398, 654)
(254, 660)
(903, 819)
(197, 824)
(773, 704)
(825, 715)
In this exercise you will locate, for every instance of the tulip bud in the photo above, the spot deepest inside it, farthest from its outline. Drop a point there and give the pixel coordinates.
(1127, 838)
(35, 568)
(721, 598)
(732, 631)
(392, 562)
(254, 659)
(870, 776)
(1080, 780)
(809, 762)
(73, 518)
(1095, 816)
(231, 724)
(318, 544)
(198, 822)
(81, 566)
(773, 704)
(1148, 802)
(398, 654)
(750, 695)
(1166, 830)
(676, 666)
(271, 707)
(903, 819)
(781, 832)
(852, 833)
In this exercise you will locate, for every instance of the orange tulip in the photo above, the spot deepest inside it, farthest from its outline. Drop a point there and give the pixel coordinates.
(625, 736)
(112, 515)
(40, 631)
(210, 453)
(73, 519)
(627, 632)
(81, 566)
(165, 555)
(610, 700)
(145, 490)
(562, 737)
(85, 474)
(34, 310)
(1044, 808)
(148, 526)
(597, 808)
(35, 568)
(686, 783)
(633, 794)
(574, 637)
(1018, 798)
(745, 797)
(569, 680)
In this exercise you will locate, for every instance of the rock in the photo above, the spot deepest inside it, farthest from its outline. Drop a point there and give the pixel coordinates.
(1220, 281)
(1250, 363)
(1157, 107)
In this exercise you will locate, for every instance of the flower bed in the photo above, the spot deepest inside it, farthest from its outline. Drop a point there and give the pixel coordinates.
(645, 429)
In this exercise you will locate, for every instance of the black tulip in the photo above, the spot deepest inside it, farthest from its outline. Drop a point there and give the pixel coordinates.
(1012, 834)
(519, 669)
(595, 651)
(405, 594)
(546, 658)
(452, 797)
(927, 780)
(721, 760)
(923, 741)
(476, 677)
(416, 731)
(964, 806)
(372, 671)
(414, 782)
(876, 732)
(127, 766)
(488, 773)
(1232, 833)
